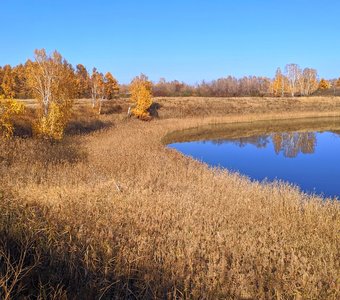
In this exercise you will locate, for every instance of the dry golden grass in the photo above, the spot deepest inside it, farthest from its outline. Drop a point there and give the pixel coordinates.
(116, 214)
(183, 107)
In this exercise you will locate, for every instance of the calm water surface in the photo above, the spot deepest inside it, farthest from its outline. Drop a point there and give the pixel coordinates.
(310, 160)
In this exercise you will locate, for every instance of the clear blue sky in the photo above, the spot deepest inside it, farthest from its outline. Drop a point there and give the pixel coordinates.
(188, 40)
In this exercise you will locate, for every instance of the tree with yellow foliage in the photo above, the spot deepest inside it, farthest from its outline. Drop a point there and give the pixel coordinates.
(278, 85)
(141, 98)
(324, 84)
(52, 81)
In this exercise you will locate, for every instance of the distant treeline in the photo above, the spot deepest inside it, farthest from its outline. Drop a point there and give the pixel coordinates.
(294, 81)
(222, 87)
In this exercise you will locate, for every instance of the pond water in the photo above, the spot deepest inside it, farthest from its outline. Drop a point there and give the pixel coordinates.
(306, 154)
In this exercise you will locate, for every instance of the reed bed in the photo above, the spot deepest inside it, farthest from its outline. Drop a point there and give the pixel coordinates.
(115, 214)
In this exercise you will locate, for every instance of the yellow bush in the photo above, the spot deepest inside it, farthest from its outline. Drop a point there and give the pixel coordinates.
(8, 108)
(141, 97)
(52, 126)
(324, 84)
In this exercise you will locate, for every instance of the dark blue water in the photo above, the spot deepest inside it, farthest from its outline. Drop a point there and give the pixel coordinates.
(310, 160)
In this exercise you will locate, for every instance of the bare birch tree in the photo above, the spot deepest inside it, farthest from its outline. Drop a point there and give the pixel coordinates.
(293, 73)
(309, 81)
(97, 90)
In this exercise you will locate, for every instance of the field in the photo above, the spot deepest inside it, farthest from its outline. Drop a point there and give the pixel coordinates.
(111, 213)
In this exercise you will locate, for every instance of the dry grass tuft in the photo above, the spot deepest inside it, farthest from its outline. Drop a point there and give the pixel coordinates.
(114, 214)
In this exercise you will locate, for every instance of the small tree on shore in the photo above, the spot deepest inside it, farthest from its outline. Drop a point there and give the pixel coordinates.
(141, 98)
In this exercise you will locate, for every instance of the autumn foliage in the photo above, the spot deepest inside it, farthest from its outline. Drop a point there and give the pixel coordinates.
(324, 84)
(53, 84)
(293, 81)
(141, 98)
(102, 88)
(8, 108)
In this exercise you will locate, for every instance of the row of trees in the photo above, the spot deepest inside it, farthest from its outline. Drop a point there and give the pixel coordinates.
(290, 82)
(222, 87)
(54, 83)
(15, 82)
(293, 81)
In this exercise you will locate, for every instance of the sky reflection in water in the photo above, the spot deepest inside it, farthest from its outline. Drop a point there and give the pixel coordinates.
(308, 159)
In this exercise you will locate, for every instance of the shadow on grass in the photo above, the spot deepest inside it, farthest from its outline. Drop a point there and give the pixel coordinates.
(112, 109)
(23, 126)
(23, 152)
(84, 126)
(41, 259)
(36, 265)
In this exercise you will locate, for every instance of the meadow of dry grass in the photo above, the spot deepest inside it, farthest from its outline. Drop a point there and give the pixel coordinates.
(114, 214)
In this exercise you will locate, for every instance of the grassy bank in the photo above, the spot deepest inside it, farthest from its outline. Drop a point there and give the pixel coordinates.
(115, 214)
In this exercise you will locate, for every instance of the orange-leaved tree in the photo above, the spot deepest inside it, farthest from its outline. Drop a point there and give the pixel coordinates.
(8, 84)
(52, 81)
(141, 96)
(102, 87)
(83, 82)
(111, 86)
(324, 84)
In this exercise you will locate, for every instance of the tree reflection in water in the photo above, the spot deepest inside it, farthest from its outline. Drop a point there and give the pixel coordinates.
(293, 143)
(289, 143)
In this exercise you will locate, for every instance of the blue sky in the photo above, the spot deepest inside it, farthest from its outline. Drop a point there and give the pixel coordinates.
(188, 40)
